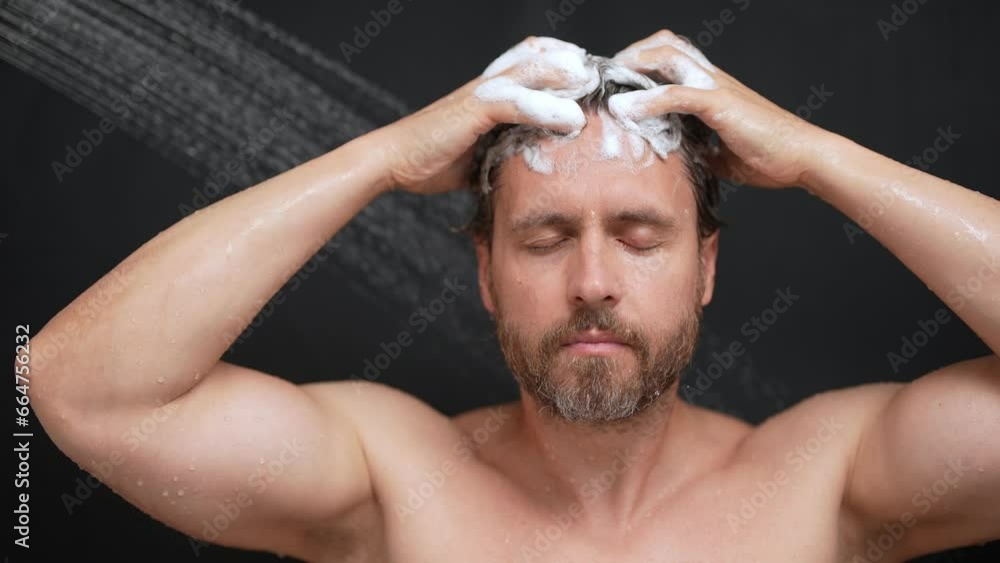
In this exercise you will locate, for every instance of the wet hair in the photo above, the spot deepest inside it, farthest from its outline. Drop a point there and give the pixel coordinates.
(496, 146)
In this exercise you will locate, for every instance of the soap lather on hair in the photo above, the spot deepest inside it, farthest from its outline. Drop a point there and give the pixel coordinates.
(595, 79)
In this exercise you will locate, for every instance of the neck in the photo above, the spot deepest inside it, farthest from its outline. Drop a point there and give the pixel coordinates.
(609, 471)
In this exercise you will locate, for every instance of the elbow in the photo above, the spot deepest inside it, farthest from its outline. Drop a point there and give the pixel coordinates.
(47, 366)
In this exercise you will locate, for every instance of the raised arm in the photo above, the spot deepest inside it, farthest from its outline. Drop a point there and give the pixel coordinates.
(930, 450)
(138, 397)
(137, 394)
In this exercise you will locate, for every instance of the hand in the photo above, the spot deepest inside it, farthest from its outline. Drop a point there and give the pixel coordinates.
(534, 83)
(762, 144)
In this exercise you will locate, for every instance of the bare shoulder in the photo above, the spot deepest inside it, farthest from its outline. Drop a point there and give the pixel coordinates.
(382, 413)
(827, 425)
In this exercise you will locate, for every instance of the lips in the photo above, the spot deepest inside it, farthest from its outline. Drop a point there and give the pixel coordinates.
(593, 337)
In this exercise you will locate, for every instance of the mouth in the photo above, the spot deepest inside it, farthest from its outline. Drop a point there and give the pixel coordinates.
(594, 342)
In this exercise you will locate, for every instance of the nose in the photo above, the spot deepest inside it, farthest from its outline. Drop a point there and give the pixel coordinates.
(593, 279)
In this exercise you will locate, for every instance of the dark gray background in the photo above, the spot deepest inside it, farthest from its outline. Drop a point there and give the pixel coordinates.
(857, 300)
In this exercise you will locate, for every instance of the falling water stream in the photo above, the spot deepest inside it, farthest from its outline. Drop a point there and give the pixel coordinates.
(227, 74)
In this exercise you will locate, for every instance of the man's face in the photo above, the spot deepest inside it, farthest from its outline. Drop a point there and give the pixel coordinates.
(605, 248)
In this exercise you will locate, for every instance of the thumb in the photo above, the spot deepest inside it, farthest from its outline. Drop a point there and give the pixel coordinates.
(666, 98)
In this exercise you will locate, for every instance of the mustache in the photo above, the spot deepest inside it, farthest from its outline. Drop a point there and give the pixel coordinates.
(602, 319)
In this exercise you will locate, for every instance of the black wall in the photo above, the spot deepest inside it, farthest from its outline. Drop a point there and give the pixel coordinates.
(857, 301)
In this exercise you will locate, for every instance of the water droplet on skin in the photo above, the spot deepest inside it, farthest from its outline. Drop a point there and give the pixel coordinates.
(262, 461)
(197, 376)
(979, 469)
(190, 468)
(139, 482)
(166, 493)
(176, 479)
(180, 493)
(160, 380)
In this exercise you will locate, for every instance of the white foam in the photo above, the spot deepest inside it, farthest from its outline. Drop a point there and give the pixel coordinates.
(661, 131)
(611, 138)
(530, 49)
(626, 131)
(672, 41)
(542, 59)
(546, 109)
(678, 68)
(689, 73)
(536, 161)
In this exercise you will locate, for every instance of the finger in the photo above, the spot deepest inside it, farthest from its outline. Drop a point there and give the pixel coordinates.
(560, 73)
(545, 63)
(671, 64)
(669, 38)
(528, 49)
(639, 105)
(507, 101)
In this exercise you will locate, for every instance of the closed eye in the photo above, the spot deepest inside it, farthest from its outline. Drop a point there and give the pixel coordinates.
(641, 248)
(541, 248)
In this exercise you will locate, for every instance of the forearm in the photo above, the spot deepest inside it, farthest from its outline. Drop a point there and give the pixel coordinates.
(179, 301)
(944, 233)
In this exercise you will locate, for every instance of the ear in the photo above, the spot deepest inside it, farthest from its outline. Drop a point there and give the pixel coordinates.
(709, 252)
(483, 256)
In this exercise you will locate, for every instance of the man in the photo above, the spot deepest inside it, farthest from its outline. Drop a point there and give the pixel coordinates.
(596, 256)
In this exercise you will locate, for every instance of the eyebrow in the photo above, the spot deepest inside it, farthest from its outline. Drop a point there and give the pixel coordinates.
(638, 216)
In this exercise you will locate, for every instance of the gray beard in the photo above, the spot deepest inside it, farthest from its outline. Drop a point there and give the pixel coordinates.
(595, 390)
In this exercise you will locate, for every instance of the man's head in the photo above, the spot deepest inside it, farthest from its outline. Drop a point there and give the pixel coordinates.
(595, 232)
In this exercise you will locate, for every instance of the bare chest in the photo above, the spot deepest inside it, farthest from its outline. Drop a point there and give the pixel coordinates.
(778, 510)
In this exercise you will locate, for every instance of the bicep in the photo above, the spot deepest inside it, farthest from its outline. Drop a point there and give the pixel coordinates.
(931, 455)
(243, 459)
